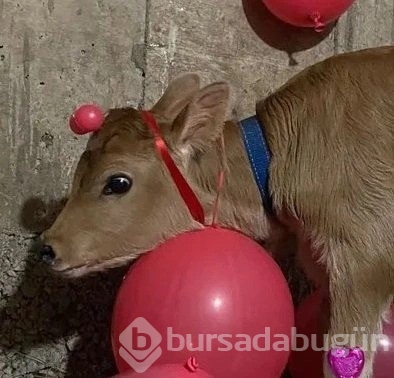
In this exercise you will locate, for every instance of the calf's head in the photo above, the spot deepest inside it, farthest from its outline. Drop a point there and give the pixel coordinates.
(122, 200)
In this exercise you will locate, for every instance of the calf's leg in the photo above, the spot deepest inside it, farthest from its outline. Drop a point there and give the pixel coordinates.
(360, 288)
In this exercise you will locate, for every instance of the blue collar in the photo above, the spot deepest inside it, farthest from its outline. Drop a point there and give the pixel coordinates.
(259, 157)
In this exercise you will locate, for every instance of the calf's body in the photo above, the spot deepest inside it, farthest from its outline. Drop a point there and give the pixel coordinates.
(332, 174)
(330, 133)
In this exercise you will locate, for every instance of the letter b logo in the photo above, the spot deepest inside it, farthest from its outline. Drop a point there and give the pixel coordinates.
(140, 345)
(141, 341)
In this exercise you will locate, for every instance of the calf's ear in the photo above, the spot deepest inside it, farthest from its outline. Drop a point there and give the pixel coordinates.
(204, 118)
(177, 96)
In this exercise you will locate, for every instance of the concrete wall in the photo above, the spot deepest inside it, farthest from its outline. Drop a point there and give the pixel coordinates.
(57, 54)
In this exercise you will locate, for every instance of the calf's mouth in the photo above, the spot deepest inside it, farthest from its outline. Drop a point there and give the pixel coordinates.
(67, 270)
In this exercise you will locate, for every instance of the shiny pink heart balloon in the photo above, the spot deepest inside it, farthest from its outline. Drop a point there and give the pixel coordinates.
(346, 362)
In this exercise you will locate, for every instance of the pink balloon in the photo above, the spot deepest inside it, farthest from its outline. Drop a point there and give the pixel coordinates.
(209, 286)
(166, 371)
(86, 118)
(308, 13)
(312, 319)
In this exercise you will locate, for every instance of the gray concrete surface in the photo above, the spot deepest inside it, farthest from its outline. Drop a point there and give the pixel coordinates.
(56, 54)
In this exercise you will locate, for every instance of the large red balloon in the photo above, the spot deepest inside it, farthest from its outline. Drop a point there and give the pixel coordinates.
(312, 319)
(308, 13)
(216, 289)
(165, 371)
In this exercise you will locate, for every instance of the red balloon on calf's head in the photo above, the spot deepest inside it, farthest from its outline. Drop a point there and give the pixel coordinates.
(87, 118)
(214, 294)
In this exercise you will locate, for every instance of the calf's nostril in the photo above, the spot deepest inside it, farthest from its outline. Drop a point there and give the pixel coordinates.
(47, 254)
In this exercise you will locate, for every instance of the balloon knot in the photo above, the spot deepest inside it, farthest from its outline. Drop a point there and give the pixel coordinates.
(192, 364)
(316, 18)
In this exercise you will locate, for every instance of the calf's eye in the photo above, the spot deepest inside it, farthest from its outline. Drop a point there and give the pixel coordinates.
(118, 184)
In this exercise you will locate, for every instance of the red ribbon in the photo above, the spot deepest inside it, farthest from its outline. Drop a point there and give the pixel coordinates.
(186, 192)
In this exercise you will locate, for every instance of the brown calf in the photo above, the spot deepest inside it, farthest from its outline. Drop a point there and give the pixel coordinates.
(330, 132)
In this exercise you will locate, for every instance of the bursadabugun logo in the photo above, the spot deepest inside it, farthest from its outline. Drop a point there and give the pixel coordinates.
(140, 345)
(141, 342)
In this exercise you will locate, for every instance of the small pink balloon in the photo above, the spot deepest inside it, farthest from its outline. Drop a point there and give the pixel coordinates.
(87, 118)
